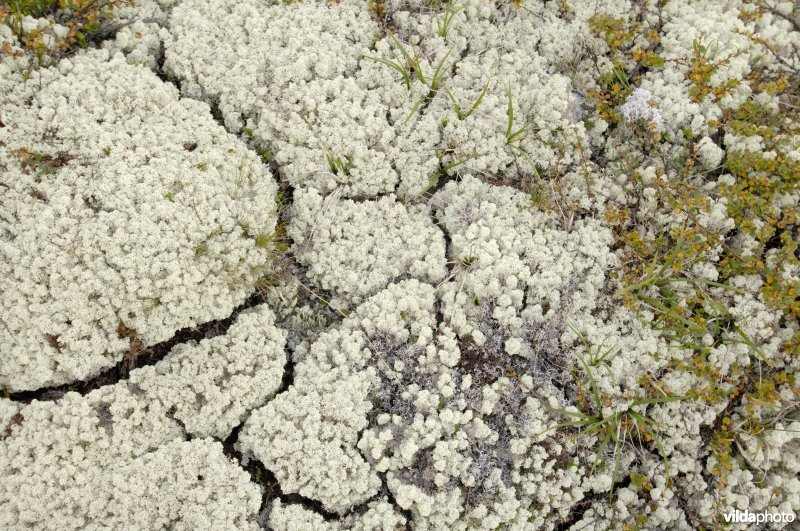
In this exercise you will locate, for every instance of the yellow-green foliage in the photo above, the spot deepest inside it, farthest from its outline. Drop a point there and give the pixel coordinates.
(83, 18)
(628, 62)
(702, 66)
(34, 8)
(656, 271)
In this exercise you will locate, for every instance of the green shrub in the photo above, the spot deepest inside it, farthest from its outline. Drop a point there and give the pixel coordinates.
(85, 20)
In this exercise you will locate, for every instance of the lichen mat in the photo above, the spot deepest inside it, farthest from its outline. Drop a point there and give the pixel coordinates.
(399, 264)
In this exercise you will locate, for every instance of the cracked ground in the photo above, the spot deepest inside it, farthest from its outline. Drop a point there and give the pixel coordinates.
(399, 264)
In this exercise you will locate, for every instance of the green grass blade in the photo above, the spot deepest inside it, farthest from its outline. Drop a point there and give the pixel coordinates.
(749, 342)
(396, 66)
(459, 162)
(572, 424)
(527, 158)
(577, 414)
(595, 389)
(602, 358)
(479, 100)
(652, 401)
(617, 459)
(510, 112)
(413, 110)
(601, 450)
(456, 106)
(712, 283)
(580, 336)
(517, 136)
(439, 72)
(412, 62)
(623, 79)
(657, 440)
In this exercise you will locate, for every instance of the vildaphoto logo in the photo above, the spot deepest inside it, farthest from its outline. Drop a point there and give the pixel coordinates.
(747, 517)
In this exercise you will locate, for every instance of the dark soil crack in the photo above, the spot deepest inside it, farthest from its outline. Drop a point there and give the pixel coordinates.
(580, 508)
(138, 357)
(164, 76)
(270, 487)
(383, 492)
(448, 245)
(390, 498)
(186, 433)
(577, 512)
